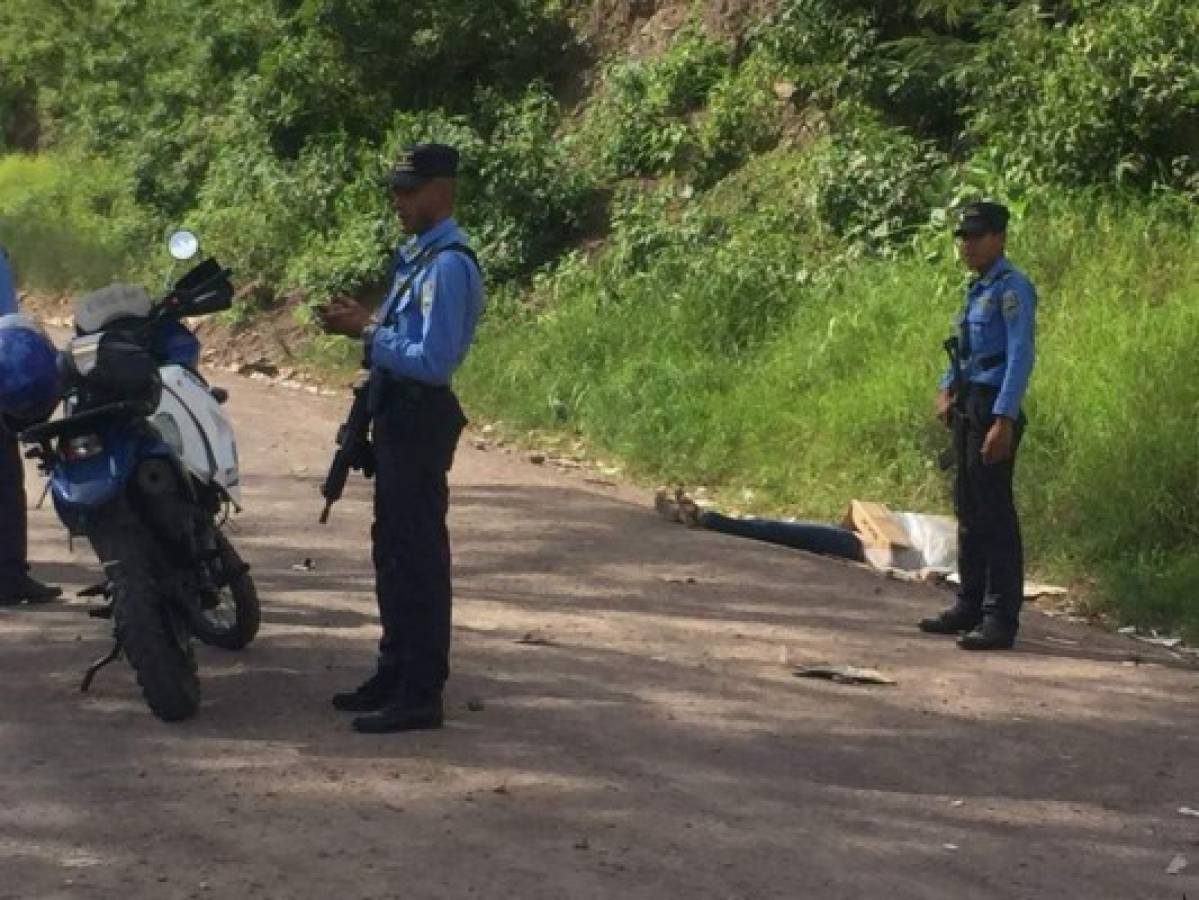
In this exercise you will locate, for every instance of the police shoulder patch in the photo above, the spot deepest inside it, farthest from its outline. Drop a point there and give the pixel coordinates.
(1011, 305)
(428, 291)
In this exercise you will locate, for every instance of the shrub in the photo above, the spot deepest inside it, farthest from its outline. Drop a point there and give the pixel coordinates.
(640, 125)
(69, 223)
(826, 48)
(1110, 97)
(744, 116)
(871, 184)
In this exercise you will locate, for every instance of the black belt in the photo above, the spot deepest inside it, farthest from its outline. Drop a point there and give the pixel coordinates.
(986, 363)
(409, 390)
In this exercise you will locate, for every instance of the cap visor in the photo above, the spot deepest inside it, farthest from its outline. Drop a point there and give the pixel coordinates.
(972, 229)
(402, 180)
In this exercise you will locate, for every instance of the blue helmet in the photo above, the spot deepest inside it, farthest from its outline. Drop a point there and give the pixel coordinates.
(30, 385)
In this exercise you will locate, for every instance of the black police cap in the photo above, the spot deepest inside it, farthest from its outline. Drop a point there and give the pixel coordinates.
(983, 217)
(420, 162)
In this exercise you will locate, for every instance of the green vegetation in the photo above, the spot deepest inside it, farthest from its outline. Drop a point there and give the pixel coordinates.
(727, 262)
(731, 361)
(69, 221)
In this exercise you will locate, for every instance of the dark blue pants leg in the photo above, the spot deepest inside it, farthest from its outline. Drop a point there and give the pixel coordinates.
(411, 549)
(13, 516)
(815, 537)
(990, 549)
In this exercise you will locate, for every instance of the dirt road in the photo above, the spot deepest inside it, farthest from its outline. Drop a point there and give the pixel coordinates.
(654, 745)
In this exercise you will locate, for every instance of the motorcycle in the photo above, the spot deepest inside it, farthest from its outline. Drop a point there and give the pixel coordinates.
(143, 463)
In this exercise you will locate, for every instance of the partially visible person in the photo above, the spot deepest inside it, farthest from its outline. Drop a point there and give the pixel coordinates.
(814, 537)
(8, 290)
(996, 349)
(16, 584)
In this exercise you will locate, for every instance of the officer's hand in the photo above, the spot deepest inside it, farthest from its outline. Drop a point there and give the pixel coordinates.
(941, 405)
(343, 316)
(997, 445)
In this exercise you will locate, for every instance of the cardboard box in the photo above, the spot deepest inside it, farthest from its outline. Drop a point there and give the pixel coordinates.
(876, 526)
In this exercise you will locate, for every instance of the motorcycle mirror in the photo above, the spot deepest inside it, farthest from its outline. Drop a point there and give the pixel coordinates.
(183, 244)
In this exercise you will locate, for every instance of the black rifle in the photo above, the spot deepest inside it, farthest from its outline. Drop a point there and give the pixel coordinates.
(354, 450)
(957, 409)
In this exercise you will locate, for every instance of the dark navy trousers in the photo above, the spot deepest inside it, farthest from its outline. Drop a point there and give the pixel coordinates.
(990, 549)
(815, 537)
(13, 540)
(414, 442)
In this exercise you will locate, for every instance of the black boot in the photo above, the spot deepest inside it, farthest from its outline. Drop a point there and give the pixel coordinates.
(992, 634)
(21, 588)
(955, 620)
(402, 715)
(371, 695)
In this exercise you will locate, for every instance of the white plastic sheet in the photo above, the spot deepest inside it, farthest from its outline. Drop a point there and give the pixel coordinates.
(932, 545)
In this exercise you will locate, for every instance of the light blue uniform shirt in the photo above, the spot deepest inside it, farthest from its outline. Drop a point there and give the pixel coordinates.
(8, 291)
(425, 334)
(999, 321)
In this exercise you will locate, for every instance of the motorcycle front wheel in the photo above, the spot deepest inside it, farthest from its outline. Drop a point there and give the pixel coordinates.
(155, 635)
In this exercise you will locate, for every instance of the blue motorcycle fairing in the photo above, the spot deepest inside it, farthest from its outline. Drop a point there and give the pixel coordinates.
(85, 486)
(175, 343)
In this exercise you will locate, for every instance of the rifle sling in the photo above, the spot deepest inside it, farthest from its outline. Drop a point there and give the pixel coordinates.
(423, 262)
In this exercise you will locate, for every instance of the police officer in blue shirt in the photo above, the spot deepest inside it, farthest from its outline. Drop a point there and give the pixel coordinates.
(421, 334)
(996, 349)
(16, 584)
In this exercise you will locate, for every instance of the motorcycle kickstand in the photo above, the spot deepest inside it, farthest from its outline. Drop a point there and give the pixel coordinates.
(94, 669)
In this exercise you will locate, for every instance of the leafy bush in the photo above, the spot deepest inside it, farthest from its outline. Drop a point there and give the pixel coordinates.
(520, 198)
(640, 125)
(871, 184)
(69, 223)
(744, 116)
(524, 199)
(251, 119)
(827, 48)
(1111, 97)
(257, 209)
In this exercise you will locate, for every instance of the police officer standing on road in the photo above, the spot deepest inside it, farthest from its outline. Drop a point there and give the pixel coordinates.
(996, 350)
(421, 334)
(16, 584)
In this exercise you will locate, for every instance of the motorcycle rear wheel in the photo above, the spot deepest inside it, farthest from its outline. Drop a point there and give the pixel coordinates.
(234, 622)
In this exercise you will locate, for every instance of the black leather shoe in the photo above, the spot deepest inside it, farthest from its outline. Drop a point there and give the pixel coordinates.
(954, 620)
(402, 716)
(23, 588)
(992, 634)
(373, 694)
